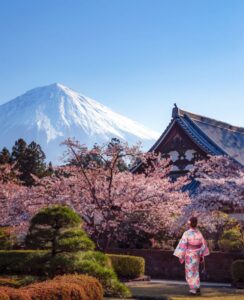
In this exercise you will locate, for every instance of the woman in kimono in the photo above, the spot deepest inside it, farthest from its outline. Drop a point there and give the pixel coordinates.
(191, 249)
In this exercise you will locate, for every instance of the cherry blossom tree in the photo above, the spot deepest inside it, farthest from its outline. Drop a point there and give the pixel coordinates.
(116, 203)
(221, 185)
(105, 193)
(220, 192)
(11, 196)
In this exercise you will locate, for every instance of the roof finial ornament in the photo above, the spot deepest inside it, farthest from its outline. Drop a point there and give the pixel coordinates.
(175, 111)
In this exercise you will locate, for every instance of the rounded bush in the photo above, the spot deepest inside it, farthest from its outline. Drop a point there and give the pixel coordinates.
(92, 287)
(3, 295)
(237, 271)
(15, 294)
(57, 228)
(127, 266)
(67, 287)
(51, 290)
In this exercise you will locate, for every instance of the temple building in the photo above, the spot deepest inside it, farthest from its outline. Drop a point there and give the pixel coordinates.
(190, 137)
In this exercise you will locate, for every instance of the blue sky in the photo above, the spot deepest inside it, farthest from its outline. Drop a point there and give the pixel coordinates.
(136, 56)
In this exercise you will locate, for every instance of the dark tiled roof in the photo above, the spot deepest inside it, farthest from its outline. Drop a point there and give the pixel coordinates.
(212, 136)
(200, 138)
(215, 136)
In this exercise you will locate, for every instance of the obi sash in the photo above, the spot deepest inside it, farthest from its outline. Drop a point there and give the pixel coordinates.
(194, 247)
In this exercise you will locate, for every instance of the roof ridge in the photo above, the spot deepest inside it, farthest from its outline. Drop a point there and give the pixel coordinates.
(211, 121)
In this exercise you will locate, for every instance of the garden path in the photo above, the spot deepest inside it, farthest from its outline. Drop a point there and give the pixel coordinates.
(178, 290)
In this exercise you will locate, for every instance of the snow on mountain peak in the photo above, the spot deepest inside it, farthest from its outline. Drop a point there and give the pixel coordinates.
(52, 113)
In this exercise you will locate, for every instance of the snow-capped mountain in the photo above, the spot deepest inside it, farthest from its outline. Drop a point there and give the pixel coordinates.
(50, 114)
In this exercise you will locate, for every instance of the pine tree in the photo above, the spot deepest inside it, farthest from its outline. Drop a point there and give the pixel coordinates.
(33, 163)
(5, 157)
(30, 159)
(57, 228)
(18, 151)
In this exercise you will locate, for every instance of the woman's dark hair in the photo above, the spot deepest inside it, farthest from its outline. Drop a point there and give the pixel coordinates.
(193, 222)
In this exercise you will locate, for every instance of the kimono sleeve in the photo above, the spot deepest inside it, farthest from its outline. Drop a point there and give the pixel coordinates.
(204, 251)
(180, 250)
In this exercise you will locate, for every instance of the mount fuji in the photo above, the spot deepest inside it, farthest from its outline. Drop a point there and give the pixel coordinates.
(50, 114)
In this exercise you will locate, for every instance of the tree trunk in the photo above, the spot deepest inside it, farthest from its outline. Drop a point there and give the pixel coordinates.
(55, 242)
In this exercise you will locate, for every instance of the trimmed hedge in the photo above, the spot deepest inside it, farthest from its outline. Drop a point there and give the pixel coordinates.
(237, 271)
(15, 294)
(6, 240)
(127, 266)
(23, 262)
(4, 296)
(92, 287)
(57, 291)
(70, 287)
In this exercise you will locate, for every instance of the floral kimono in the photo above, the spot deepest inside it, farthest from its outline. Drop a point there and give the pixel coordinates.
(190, 249)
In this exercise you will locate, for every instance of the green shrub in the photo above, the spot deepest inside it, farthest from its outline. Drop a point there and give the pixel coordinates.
(6, 240)
(41, 263)
(117, 289)
(231, 240)
(75, 239)
(62, 264)
(107, 277)
(127, 266)
(23, 262)
(99, 257)
(58, 228)
(237, 271)
(18, 281)
(28, 279)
